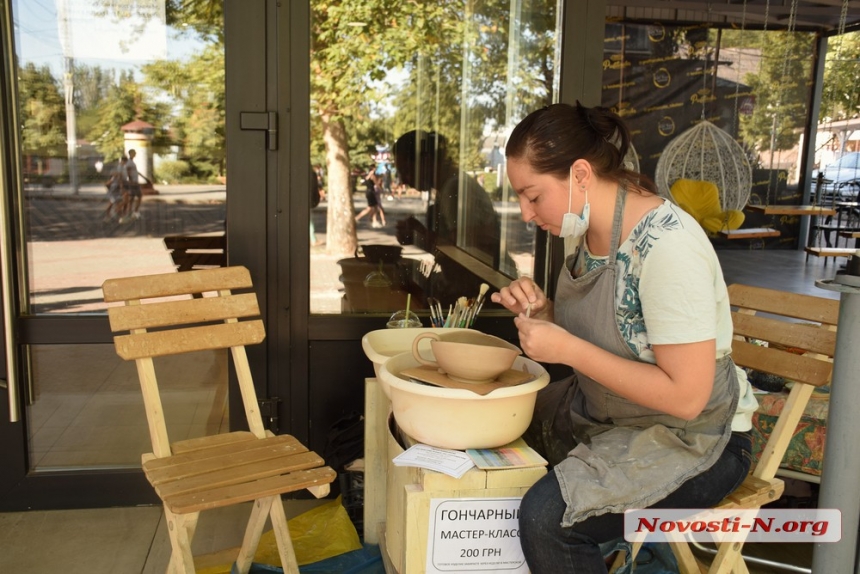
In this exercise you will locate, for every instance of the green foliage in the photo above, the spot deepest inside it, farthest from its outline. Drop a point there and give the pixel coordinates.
(781, 89)
(196, 87)
(123, 103)
(840, 98)
(43, 113)
(172, 171)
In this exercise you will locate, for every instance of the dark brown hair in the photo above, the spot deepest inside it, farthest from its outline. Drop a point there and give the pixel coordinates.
(554, 137)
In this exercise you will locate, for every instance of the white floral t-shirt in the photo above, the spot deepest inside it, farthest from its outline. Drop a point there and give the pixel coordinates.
(669, 278)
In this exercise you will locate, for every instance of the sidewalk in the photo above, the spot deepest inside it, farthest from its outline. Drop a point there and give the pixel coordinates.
(178, 193)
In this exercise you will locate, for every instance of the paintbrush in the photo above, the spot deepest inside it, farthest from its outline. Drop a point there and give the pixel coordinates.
(479, 302)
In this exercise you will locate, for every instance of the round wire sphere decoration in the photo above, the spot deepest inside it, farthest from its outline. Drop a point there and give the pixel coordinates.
(631, 159)
(706, 153)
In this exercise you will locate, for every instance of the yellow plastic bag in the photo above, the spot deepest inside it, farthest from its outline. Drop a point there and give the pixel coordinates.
(317, 534)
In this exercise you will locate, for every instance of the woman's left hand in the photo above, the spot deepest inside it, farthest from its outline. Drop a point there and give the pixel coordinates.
(543, 341)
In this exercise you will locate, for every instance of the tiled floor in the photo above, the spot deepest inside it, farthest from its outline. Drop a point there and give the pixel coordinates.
(134, 540)
(117, 540)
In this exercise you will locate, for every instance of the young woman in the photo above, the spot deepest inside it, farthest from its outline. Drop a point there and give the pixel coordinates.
(655, 414)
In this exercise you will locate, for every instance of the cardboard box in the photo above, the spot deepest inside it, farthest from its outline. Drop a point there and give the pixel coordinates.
(408, 501)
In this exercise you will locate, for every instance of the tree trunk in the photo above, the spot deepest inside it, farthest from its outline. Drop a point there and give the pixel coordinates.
(340, 218)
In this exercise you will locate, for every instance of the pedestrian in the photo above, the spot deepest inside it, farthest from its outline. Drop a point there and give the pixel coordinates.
(116, 190)
(133, 183)
(315, 198)
(655, 414)
(372, 189)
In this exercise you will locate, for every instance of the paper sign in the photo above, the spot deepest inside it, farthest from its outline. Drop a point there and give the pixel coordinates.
(475, 535)
(452, 462)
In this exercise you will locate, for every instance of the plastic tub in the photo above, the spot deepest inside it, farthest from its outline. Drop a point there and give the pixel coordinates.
(458, 418)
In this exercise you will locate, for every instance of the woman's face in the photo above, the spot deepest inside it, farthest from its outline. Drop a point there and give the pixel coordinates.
(543, 198)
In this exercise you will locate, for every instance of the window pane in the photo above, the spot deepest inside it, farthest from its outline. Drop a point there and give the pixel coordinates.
(87, 408)
(97, 80)
(413, 163)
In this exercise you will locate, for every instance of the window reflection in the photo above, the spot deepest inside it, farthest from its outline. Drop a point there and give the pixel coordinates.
(438, 88)
(95, 81)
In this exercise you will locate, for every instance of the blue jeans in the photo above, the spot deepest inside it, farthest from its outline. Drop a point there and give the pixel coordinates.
(550, 548)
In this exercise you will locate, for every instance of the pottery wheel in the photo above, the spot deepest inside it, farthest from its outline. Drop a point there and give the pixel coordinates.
(432, 376)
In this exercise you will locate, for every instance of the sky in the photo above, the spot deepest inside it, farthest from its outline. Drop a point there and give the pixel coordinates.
(93, 41)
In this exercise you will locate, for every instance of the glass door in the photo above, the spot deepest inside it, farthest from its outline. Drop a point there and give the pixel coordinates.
(119, 169)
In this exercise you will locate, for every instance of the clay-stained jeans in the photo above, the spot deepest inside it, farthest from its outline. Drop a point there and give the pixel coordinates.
(551, 549)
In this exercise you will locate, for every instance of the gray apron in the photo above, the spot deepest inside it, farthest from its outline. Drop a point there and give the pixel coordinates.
(610, 454)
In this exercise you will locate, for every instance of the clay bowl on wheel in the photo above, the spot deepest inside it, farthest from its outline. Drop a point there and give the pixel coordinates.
(382, 344)
(468, 357)
(460, 418)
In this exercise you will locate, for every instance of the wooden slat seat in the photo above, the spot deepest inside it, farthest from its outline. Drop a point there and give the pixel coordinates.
(193, 311)
(197, 251)
(829, 251)
(850, 234)
(792, 209)
(752, 493)
(750, 233)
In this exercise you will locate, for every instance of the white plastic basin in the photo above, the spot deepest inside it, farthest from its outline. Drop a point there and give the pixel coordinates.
(458, 418)
(381, 345)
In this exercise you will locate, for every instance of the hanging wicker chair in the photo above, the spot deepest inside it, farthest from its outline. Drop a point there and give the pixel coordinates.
(706, 153)
(631, 159)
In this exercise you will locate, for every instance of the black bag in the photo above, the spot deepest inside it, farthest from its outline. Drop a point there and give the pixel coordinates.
(345, 441)
(315, 189)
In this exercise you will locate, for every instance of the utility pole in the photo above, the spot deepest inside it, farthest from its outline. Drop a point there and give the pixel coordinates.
(69, 87)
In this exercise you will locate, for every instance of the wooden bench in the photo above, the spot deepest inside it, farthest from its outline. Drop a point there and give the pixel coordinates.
(197, 251)
(750, 233)
(829, 252)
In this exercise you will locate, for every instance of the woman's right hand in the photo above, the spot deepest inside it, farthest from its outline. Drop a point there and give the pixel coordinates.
(523, 296)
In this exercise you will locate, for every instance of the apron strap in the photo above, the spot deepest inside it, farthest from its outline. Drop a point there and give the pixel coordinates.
(617, 221)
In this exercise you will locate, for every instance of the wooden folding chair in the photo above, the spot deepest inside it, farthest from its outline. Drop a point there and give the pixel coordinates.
(800, 332)
(219, 470)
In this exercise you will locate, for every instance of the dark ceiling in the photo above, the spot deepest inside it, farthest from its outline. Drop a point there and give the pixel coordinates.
(824, 16)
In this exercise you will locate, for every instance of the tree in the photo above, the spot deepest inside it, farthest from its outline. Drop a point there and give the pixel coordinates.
(124, 102)
(840, 98)
(43, 111)
(197, 88)
(92, 85)
(355, 43)
(781, 90)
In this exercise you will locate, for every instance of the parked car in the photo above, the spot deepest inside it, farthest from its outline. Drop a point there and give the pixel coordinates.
(842, 177)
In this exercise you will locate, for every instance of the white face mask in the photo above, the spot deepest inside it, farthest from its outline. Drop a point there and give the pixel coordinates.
(572, 225)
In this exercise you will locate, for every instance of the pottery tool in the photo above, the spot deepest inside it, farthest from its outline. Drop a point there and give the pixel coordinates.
(435, 318)
(462, 306)
(479, 302)
(528, 310)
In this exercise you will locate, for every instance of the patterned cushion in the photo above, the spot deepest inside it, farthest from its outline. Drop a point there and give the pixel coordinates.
(806, 450)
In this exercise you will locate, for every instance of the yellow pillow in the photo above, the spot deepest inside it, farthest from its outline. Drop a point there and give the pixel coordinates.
(701, 199)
